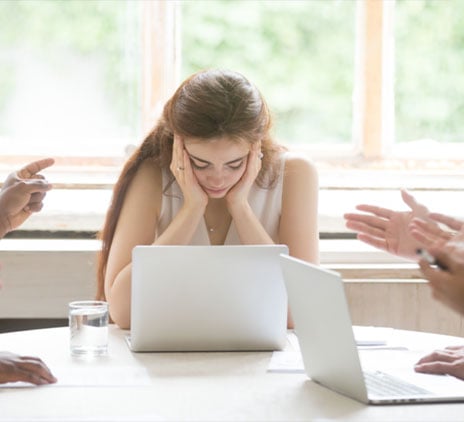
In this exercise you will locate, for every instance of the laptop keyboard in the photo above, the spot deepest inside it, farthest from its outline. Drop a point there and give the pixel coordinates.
(385, 385)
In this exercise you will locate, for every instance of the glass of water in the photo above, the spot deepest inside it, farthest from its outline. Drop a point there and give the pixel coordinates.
(88, 324)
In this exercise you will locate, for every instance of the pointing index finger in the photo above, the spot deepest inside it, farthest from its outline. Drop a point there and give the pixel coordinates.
(31, 169)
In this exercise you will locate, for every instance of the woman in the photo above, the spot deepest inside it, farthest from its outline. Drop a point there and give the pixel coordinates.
(208, 173)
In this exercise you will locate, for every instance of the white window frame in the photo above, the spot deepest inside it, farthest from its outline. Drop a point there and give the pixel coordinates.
(352, 168)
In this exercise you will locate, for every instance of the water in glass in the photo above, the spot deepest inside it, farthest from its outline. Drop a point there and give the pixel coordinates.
(88, 322)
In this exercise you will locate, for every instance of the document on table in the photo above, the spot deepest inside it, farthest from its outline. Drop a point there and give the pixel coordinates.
(288, 361)
(372, 336)
(94, 376)
(369, 338)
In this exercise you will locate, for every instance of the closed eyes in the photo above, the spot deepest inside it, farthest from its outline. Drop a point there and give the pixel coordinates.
(234, 166)
(200, 164)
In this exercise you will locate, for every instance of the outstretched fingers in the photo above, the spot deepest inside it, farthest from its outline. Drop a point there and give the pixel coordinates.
(368, 228)
(411, 202)
(376, 242)
(451, 222)
(366, 220)
(30, 170)
(428, 232)
(373, 209)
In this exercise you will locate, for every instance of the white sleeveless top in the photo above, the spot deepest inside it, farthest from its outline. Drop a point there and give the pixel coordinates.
(265, 203)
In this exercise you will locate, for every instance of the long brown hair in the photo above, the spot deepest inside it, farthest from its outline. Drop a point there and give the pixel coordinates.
(209, 104)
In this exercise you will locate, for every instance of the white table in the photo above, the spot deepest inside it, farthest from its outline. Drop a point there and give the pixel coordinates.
(191, 386)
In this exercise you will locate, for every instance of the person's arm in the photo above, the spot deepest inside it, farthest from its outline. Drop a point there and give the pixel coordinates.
(22, 194)
(15, 368)
(449, 361)
(298, 223)
(447, 284)
(183, 226)
(387, 229)
(249, 228)
(137, 226)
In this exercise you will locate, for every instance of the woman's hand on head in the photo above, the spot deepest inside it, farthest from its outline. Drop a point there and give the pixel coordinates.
(238, 195)
(181, 168)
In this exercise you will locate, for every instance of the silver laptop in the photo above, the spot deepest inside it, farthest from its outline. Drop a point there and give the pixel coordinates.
(330, 356)
(208, 298)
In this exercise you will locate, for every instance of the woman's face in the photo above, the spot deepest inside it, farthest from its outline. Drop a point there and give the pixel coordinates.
(218, 164)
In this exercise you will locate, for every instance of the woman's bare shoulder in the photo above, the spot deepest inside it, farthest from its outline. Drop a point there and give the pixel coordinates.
(149, 169)
(145, 188)
(297, 165)
(148, 176)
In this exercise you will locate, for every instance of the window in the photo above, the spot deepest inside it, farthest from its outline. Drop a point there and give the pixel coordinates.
(429, 95)
(358, 85)
(70, 77)
(290, 50)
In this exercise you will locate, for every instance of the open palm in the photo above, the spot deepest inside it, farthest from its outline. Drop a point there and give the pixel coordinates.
(387, 229)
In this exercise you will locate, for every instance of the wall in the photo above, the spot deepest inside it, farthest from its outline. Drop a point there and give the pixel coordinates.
(41, 277)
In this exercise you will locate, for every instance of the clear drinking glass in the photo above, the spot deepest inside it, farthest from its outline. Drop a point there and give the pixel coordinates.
(88, 325)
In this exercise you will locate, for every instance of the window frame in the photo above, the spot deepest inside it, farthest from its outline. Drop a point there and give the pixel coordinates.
(373, 96)
(352, 167)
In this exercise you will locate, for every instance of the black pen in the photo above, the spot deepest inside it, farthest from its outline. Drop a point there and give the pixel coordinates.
(430, 259)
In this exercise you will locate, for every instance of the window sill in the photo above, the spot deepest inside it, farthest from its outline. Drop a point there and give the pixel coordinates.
(353, 259)
(64, 270)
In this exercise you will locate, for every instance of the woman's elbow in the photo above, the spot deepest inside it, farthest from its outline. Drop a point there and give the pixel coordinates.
(121, 317)
(119, 307)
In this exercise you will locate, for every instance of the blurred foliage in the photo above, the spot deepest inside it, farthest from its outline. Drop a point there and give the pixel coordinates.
(300, 54)
(429, 70)
(80, 25)
(54, 29)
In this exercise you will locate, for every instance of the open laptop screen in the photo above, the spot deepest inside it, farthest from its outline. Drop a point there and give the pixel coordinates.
(200, 298)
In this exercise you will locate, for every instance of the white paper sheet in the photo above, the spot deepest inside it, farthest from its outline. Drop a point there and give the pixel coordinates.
(367, 338)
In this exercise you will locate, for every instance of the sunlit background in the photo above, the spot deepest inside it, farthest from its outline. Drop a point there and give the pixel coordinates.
(70, 70)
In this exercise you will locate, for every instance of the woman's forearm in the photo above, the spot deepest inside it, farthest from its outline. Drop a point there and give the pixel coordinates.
(249, 228)
(119, 298)
(182, 227)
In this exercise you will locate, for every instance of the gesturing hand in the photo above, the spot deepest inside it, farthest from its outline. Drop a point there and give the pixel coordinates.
(428, 232)
(22, 194)
(447, 285)
(387, 229)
